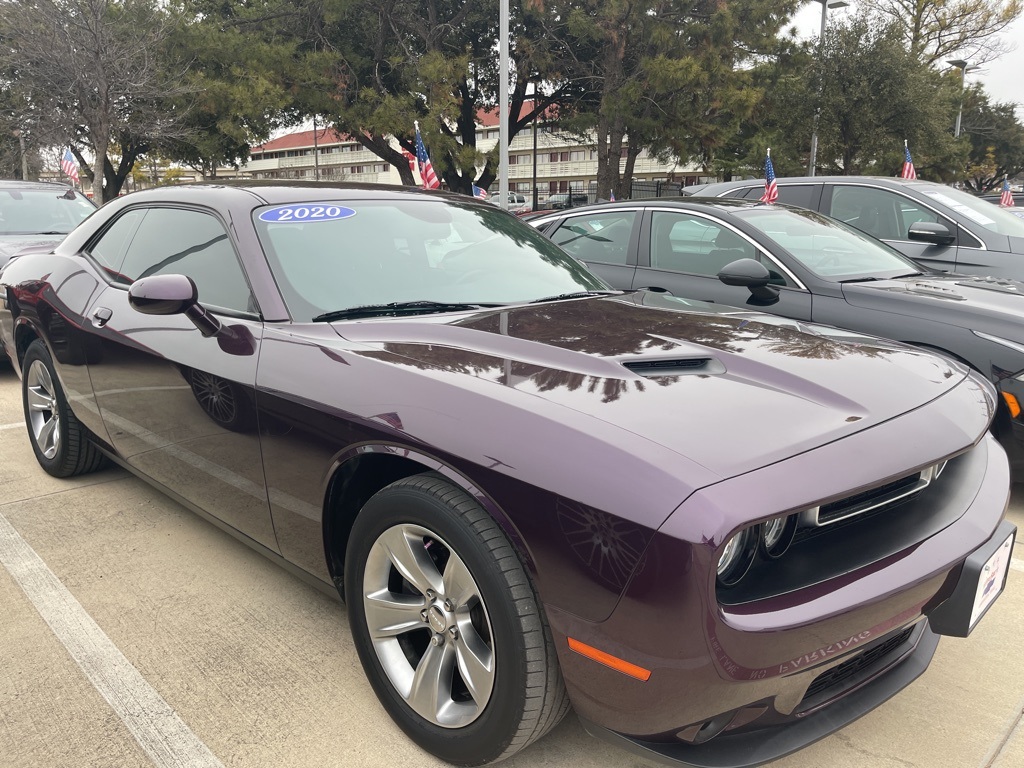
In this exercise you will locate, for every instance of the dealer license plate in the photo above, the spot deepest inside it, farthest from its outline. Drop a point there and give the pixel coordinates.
(993, 577)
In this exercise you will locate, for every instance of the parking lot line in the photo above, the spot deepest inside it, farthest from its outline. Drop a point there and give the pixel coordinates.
(164, 737)
(15, 425)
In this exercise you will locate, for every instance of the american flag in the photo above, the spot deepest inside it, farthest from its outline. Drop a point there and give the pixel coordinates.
(479, 192)
(771, 188)
(411, 158)
(430, 180)
(69, 166)
(908, 164)
(1006, 198)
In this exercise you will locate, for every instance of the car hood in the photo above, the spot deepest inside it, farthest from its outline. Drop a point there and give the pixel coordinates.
(989, 304)
(731, 391)
(13, 244)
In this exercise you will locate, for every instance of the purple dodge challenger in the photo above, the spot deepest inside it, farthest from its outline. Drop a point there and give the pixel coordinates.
(718, 535)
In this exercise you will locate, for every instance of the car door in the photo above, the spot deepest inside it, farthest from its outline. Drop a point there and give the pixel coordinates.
(180, 408)
(682, 252)
(604, 240)
(887, 215)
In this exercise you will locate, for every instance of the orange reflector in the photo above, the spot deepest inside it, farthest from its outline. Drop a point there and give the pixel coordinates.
(1014, 406)
(619, 665)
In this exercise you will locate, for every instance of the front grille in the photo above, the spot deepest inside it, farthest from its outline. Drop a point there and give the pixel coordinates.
(851, 505)
(862, 661)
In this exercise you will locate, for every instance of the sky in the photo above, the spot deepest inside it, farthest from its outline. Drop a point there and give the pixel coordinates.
(1001, 78)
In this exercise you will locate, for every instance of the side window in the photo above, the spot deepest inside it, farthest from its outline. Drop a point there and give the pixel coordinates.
(796, 194)
(177, 241)
(600, 237)
(109, 250)
(878, 212)
(687, 243)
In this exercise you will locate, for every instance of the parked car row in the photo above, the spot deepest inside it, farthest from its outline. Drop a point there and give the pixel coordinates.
(803, 265)
(718, 534)
(936, 225)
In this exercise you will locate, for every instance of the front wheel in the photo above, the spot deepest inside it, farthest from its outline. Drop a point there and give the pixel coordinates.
(447, 624)
(59, 441)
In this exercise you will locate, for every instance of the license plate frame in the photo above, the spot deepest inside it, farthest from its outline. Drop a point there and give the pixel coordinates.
(982, 580)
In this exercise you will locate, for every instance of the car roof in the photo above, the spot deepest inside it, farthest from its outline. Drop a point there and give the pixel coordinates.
(19, 184)
(273, 191)
(682, 203)
(885, 180)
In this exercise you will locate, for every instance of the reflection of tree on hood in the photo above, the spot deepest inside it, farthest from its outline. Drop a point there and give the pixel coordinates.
(612, 328)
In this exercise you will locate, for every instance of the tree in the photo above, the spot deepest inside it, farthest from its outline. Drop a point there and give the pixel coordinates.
(246, 67)
(428, 60)
(996, 140)
(95, 73)
(666, 76)
(872, 94)
(936, 30)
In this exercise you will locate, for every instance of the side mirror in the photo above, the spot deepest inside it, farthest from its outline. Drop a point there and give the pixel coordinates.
(930, 232)
(172, 295)
(753, 275)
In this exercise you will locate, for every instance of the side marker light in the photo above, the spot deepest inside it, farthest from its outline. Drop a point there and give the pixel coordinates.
(1012, 404)
(614, 662)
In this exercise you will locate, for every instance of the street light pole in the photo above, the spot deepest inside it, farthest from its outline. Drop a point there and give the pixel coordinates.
(964, 68)
(825, 5)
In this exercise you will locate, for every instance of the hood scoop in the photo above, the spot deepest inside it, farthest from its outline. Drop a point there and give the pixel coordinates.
(674, 366)
(1000, 284)
(935, 290)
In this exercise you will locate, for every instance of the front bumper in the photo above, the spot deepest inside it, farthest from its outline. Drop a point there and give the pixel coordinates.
(739, 685)
(842, 693)
(752, 748)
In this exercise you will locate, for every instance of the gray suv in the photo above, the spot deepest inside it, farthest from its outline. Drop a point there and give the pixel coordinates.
(935, 225)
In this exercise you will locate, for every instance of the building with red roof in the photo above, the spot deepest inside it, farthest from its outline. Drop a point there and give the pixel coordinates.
(559, 161)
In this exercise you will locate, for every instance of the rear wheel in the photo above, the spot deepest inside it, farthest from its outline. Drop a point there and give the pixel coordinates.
(59, 441)
(447, 624)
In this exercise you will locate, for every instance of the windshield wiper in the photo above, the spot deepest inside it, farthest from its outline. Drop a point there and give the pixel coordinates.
(395, 308)
(860, 280)
(575, 295)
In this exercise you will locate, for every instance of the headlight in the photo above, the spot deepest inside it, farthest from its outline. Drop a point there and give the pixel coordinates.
(777, 534)
(737, 557)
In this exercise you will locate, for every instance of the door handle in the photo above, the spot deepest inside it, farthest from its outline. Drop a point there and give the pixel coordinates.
(100, 316)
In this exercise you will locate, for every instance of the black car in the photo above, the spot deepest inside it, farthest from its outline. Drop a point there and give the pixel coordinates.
(564, 200)
(38, 213)
(798, 263)
(935, 225)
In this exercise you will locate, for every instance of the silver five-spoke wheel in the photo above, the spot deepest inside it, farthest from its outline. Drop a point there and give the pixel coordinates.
(447, 623)
(429, 625)
(43, 413)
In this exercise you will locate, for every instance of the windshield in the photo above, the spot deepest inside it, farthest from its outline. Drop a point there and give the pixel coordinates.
(28, 211)
(331, 256)
(981, 212)
(827, 247)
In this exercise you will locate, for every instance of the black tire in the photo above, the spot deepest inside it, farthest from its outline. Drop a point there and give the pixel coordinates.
(60, 443)
(500, 619)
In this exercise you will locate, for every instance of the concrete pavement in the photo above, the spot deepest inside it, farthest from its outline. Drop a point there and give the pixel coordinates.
(259, 668)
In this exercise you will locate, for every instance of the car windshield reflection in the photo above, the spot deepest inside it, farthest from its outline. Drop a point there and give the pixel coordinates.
(827, 247)
(41, 211)
(331, 257)
(981, 212)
